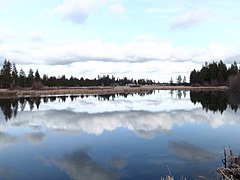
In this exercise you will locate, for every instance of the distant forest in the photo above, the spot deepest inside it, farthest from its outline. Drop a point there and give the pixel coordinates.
(211, 74)
(11, 78)
(216, 74)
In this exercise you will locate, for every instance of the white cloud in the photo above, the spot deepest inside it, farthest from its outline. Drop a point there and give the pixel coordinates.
(215, 52)
(5, 35)
(35, 36)
(116, 9)
(155, 70)
(79, 52)
(141, 49)
(146, 38)
(189, 18)
(144, 50)
(78, 10)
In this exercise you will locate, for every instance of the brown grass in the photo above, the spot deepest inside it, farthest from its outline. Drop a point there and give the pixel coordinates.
(101, 90)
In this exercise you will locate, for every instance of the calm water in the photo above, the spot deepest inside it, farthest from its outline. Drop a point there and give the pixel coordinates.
(139, 136)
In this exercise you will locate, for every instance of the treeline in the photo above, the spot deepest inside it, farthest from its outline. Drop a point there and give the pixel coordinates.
(214, 74)
(11, 78)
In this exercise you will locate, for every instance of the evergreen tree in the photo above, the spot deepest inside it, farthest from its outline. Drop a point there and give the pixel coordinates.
(37, 76)
(213, 69)
(45, 80)
(222, 73)
(30, 78)
(22, 78)
(215, 74)
(6, 74)
(205, 75)
(193, 77)
(179, 79)
(233, 70)
(15, 75)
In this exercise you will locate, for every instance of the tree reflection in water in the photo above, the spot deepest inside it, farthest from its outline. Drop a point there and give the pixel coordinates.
(216, 101)
(10, 106)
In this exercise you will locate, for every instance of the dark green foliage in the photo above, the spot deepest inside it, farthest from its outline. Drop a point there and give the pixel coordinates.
(222, 75)
(9, 78)
(37, 76)
(30, 77)
(15, 78)
(214, 74)
(194, 77)
(45, 80)
(22, 78)
(6, 74)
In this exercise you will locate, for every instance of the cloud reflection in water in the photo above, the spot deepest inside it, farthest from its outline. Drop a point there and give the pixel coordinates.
(8, 139)
(190, 152)
(79, 165)
(145, 124)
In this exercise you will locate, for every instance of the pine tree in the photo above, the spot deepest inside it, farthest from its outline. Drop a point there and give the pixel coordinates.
(179, 79)
(193, 77)
(30, 78)
(37, 76)
(6, 74)
(15, 77)
(22, 78)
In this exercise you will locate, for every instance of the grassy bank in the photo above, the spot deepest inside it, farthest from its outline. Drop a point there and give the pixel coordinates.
(101, 90)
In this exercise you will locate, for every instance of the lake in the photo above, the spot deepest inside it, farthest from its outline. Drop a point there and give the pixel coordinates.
(117, 136)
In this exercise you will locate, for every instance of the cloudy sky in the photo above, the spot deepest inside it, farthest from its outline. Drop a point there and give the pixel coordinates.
(156, 39)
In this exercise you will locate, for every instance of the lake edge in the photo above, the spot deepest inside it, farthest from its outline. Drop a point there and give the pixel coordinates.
(102, 90)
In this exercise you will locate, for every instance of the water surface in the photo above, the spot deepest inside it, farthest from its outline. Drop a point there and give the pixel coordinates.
(135, 136)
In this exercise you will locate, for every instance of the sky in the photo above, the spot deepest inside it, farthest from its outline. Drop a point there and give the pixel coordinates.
(153, 39)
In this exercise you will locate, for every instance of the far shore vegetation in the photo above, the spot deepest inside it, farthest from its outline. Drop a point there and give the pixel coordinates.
(215, 74)
(10, 78)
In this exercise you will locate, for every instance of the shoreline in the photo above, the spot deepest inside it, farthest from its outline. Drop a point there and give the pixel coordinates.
(102, 90)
